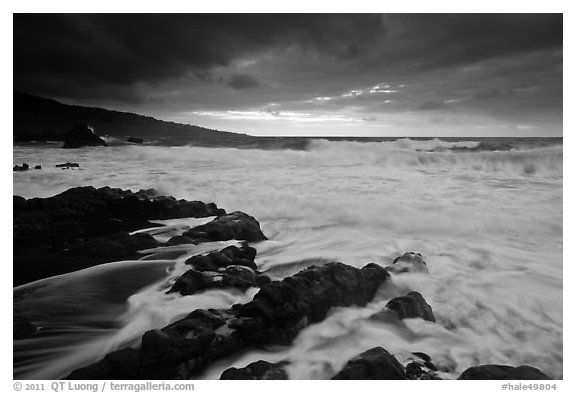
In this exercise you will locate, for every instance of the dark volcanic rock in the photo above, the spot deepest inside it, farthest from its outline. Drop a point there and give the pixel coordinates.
(237, 225)
(21, 168)
(235, 276)
(495, 371)
(50, 234)
(275, 316)
(68, 165)
(114, 247)
(231, 267)
(228, 256)
(256, 371)
(409, 262)
(413, 305)
(376, 363)
(80, 136)
(132, 139)
(88, 206)
(421, 367)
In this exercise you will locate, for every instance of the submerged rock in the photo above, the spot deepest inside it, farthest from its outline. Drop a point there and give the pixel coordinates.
(237, 225)
(495, 371)
(376, 363)
(81, 135)
(275, 316)
(409, 262)
(257, 371)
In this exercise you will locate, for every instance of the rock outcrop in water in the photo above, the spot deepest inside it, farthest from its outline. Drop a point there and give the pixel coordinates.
(81, 135)
(413, 305)
(275, 316)
(376, 363)
(408, 262)
(259, 370)
(495, 371)
(231, 267)
(68, 165)
(84, 226)
(132, 139)
(237, 225)
(21, 168)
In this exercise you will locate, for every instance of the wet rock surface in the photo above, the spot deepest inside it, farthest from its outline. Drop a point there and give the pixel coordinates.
(231, 267)
(257, 371)
(275, 316)
(85, 226)
(495, 371)
(408, 262)
(68, 165)
(236, 225)
(376, 363)
(21, 168)
(413, 305)
(420, 367)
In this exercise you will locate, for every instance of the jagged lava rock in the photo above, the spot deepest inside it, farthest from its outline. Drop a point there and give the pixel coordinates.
(376, 363)
(37, 216)
(68, 165)
(21, 168)
(413, 305)
(58, 228)
(260, 370)
(421, 367)
(236, 225)
(496, 371)
(81, 135)
(275, 316)
(231, 267)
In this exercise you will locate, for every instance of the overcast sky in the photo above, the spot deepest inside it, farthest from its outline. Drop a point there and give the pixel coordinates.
(357, 74)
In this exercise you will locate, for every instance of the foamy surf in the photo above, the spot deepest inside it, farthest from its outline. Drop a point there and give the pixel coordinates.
(489, 224)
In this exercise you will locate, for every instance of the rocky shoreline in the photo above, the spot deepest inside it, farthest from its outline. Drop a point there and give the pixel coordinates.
(84, 226)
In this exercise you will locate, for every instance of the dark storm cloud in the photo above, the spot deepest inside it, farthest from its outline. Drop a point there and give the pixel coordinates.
(102, 51)
(364, 69)
(122, 50)
(442, 40)
(242, 81)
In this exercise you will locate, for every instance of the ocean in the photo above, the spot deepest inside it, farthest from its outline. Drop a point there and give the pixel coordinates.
(488, 222)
